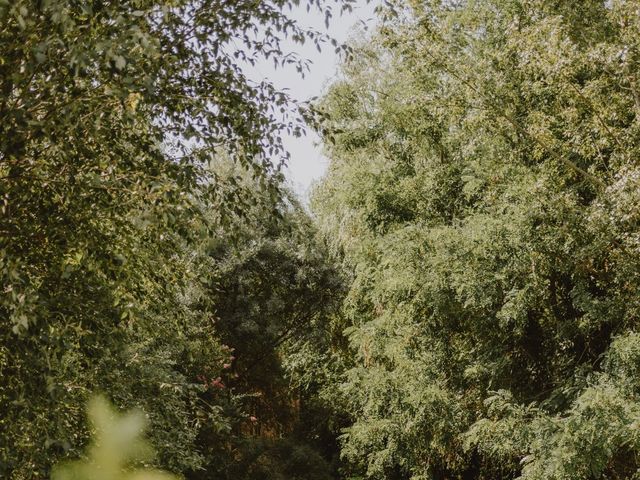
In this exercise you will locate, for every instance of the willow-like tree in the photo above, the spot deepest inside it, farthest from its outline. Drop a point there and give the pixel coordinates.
(483, 188)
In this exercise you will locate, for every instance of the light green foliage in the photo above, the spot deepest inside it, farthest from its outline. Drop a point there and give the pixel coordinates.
(116, 446)
(483, 190)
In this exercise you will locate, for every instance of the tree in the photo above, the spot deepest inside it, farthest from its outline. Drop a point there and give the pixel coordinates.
(482, 156)
(110, 113)
(274, 289)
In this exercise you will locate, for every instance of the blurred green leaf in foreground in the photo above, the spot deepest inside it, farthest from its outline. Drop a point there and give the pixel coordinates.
(117, 448)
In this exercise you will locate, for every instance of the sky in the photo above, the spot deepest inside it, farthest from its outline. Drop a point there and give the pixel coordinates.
(307, 163)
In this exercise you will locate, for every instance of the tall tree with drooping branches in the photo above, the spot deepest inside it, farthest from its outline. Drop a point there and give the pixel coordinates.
(483, 189)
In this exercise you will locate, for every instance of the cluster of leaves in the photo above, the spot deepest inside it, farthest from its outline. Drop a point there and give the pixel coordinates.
(483, 190)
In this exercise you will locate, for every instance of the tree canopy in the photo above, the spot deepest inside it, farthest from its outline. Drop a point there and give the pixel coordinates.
(462, 302)
(115, 122)
(483, 189)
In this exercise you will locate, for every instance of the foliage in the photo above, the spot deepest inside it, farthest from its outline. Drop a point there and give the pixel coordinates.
(111, 114)
(482, 198)
(275, 290)
(116, 446)
(483, 192)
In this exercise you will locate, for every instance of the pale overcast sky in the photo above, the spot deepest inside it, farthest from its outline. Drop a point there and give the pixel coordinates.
(307, 162)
